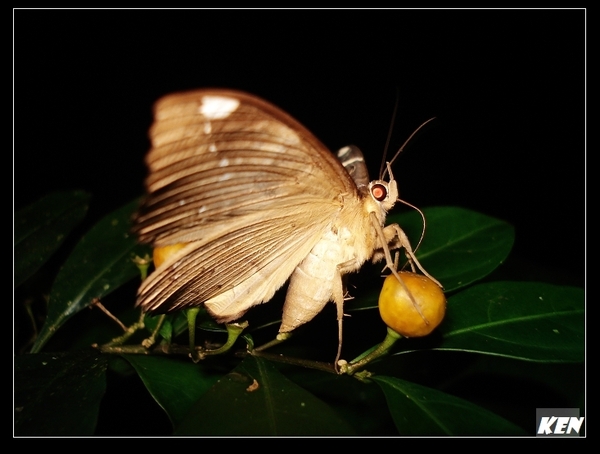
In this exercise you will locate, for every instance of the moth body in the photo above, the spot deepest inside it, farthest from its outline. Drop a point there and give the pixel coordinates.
(257, 201)
(343, 248)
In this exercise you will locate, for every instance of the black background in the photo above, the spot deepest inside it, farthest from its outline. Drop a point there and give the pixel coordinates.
(507, 88)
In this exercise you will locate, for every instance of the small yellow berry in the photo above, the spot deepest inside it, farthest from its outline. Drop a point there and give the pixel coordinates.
(398, 311)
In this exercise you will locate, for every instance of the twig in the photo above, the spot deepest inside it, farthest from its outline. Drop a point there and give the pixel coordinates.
(318, 365)
(96, 302)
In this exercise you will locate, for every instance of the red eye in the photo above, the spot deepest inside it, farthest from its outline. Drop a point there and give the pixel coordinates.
(379, 192)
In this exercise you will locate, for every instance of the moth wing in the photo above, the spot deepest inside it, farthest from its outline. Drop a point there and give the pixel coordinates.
(219, 156)
(247, 186)
(237, 270)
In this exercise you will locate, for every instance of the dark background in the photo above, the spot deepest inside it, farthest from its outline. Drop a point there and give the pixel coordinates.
(507, 88)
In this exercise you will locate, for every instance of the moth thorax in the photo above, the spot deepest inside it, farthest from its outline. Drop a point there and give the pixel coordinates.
(354, 162)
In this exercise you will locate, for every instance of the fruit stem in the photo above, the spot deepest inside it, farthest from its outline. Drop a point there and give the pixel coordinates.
(191, 315)
(233, 332)
(380, 350)
(143, 263)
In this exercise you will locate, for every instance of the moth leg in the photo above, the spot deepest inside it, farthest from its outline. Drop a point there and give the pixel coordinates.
(337, 295)
(390, 232)
(394, 235)
(409, 251)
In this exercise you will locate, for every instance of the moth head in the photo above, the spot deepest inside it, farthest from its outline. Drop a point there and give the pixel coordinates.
(384, 192)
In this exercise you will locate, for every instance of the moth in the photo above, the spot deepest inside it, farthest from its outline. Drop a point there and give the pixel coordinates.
(257, 201)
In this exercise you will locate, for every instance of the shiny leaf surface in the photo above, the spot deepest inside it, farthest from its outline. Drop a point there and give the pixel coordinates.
(100, 263)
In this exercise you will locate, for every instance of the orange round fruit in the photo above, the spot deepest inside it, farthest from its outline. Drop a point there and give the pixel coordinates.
(160, 254)
(398, 311)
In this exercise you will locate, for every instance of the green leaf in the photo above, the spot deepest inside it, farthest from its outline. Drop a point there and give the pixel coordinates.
(40, 229)
(460, 246)
(174, 384)
(526, 320)
(256, 399)
(421, 411)
(362, 405)
(100, 263)
(58, 393)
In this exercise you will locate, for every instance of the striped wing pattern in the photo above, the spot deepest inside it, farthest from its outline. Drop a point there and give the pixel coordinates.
(249, 188)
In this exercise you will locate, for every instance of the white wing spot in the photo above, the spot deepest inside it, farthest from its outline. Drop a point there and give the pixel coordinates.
(212, 148)
(216, 107)
(207, 127)
(224, 162)
(225, 177)
(202, 209)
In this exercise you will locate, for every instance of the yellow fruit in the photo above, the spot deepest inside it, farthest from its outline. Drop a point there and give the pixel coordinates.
(160, 254)
(398, 311)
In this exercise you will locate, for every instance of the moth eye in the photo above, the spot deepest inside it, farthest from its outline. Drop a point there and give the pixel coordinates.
(379, 192)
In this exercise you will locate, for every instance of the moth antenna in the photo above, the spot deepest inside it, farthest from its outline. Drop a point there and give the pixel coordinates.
(389, 170)
(382, 168)
(422, 218)
(391, 265)
(401, 149)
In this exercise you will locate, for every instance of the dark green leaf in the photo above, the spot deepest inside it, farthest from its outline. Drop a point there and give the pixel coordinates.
(460, 246)
(361, 404)
(420, 411)
(174, 384)
(256, 399)
(58, 393)
(526, 320)
(41, 228)
(100, 263)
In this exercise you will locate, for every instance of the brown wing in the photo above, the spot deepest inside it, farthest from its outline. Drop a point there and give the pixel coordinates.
(247, 185)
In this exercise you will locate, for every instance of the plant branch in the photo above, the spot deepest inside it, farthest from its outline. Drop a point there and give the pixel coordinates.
(318, 365)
